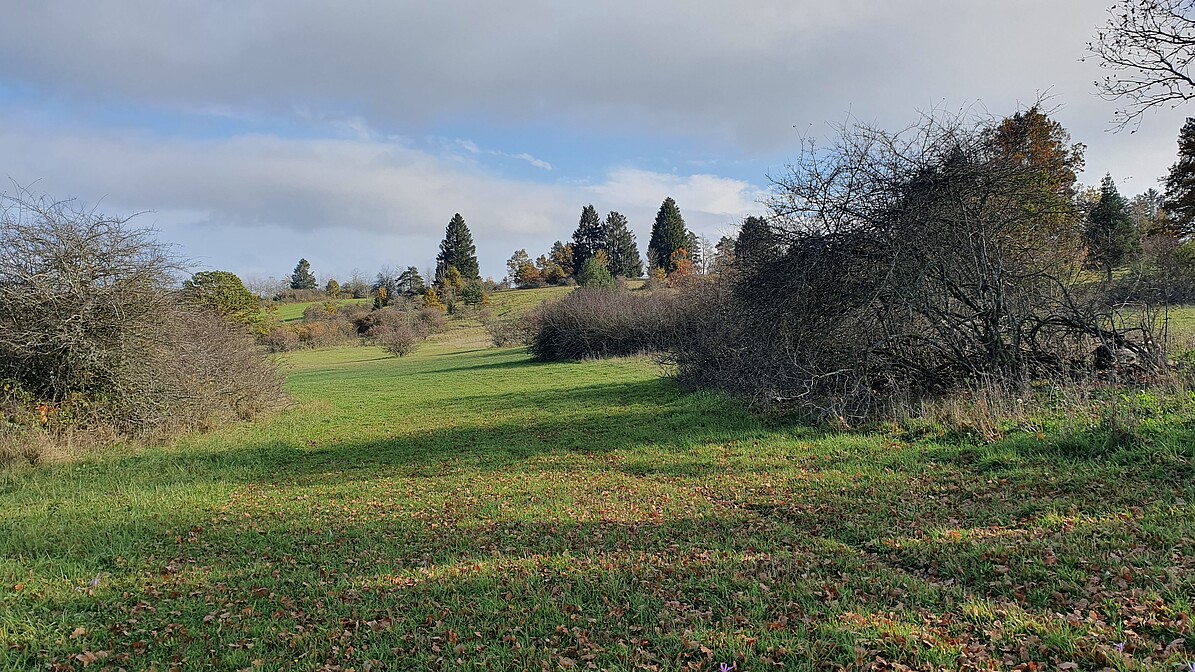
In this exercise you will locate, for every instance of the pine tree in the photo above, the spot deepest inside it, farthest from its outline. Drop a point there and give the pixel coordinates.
(302, 278)
(621, 247)
(1111, 236)
(457, 251)
(723, 255)
(668, 235)
(1180, 183)
(410, 282)
(589, 237)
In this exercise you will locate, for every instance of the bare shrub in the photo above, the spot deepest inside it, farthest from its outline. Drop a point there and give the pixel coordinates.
(397, 340)
(603, 323)
(281, 338)
(399, 330)
(199, 373)
(509, 331)
(328, 333)
(433, 320)
(91, 330)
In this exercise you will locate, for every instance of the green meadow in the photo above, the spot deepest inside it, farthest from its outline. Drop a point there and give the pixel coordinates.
(465, 508)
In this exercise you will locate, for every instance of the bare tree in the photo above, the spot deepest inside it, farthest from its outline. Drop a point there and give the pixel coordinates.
(909, 264)
(1148, 46)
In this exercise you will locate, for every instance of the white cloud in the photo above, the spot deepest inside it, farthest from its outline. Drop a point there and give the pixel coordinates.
(258, 200)
(538, 163)
(719, 71)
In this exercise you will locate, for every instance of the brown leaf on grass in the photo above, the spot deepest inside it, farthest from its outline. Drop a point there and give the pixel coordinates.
(78, 632)
(89, 657)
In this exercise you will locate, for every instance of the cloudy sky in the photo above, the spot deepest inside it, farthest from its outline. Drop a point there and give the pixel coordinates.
(255, 133)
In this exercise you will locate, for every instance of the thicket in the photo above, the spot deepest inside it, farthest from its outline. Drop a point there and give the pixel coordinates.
(601, 323)
(915, 264)
(95, 336)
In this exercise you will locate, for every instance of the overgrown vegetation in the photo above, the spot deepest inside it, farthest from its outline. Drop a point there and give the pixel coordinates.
(94, 337)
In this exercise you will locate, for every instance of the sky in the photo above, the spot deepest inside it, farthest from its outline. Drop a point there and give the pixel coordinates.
(251, 134)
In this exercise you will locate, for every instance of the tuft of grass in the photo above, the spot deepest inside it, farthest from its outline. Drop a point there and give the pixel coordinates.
(465, 508)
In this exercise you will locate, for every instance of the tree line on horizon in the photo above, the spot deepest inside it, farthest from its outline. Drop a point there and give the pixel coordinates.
(601, 251)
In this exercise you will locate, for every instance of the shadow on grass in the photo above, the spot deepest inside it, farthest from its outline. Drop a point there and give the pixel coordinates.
(491, 366)
(732, 572)
(596, 419)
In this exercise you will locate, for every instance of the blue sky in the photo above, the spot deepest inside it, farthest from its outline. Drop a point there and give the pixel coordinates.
(252, 134)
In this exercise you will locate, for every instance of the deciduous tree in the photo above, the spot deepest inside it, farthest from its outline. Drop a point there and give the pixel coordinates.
(1148, 47)
(224, 293)
(520, 270)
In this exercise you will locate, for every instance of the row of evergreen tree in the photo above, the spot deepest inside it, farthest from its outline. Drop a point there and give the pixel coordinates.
(457, 273)
(602, 249)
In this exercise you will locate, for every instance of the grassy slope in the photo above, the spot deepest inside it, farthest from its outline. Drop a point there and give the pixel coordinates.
(293, 312)
(465, 508)
(502, 303)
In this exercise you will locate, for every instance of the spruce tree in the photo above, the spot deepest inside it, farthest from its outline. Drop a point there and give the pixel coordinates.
(589, 237)
(302, 277)
(668, 235)
(756, 243)
(1180, 183)
(621, 247)
(457, 251)
(1111, 236)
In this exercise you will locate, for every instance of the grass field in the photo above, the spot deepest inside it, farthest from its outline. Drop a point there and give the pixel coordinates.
(467, 509)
